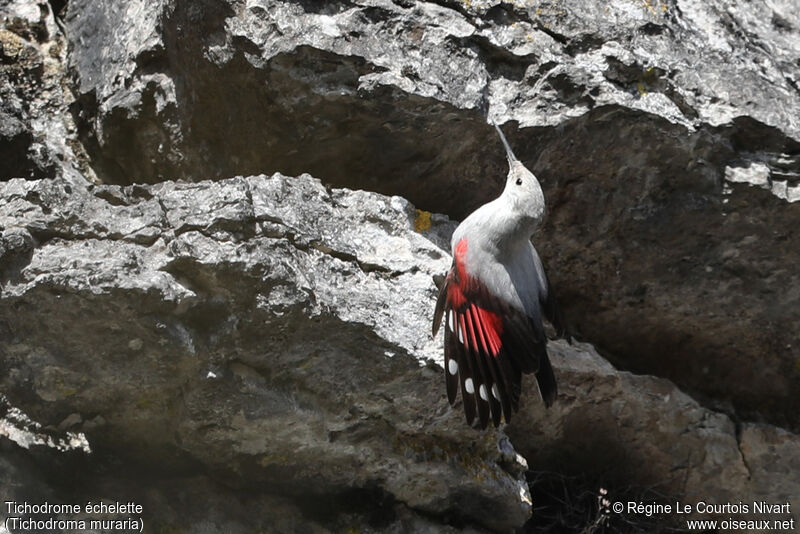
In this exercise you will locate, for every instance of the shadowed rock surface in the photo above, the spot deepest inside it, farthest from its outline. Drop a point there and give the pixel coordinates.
(193, 502)
(230, 344)
(624, 428)
(241, 328)
(647, 122)
(220, 324)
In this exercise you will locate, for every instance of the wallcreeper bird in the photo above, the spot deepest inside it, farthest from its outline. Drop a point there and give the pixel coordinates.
(493, 299)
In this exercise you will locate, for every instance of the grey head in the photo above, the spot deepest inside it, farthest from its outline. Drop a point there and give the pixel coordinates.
(522, 194)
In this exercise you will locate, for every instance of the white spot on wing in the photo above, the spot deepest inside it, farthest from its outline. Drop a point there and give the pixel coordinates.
(469, 386)
(483, 393)
(452, 366)
(460, 335)
(495, 392)
(450, 320)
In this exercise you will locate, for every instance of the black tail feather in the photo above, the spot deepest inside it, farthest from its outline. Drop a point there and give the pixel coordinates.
(546, 380)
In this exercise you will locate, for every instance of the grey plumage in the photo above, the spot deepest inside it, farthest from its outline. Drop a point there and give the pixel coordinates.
(494, 300)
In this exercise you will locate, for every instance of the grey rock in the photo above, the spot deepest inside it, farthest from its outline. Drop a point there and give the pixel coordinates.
(198, 504)
(16, 245)
(643, 432)
(275, 332)
(269, 329)
(272, 332)
(771, 453)
(38, 135)
(172, 501)
(665, 135)
(17, 427)
(20, 477)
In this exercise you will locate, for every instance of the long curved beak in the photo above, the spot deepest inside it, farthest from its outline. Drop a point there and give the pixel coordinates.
(509, 153)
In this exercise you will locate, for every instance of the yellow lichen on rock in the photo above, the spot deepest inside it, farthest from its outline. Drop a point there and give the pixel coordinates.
(422, 222)
(11, 44)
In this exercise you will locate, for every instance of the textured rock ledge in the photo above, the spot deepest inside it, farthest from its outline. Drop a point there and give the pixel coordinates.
(666, 135)
(642, 431)
(263, 327)
(269, 334)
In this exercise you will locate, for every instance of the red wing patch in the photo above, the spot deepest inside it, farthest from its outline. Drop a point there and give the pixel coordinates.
(488, 345)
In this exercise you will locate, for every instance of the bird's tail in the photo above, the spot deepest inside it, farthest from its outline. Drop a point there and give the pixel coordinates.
(546, 380)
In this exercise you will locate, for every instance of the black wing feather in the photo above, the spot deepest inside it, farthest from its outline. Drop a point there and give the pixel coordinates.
(522, 350)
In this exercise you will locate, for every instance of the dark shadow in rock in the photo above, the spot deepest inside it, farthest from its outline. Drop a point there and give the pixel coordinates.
(17, 156)
(301, 111)
(648, 252)
(16, 251)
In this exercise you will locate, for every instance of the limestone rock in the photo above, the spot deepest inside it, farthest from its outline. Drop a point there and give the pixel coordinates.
(276, 332)
(192, 503)
(262, 342)
(643, 432)
(666, 136)
(37, 131)
(271, 330)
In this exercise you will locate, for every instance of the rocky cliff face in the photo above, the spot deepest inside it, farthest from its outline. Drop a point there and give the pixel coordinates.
(216, 332)
(648, 125)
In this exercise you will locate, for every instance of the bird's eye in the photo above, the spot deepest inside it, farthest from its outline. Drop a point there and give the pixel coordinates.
(519, 181)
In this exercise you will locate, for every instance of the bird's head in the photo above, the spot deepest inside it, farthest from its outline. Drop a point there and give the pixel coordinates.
(522, 192)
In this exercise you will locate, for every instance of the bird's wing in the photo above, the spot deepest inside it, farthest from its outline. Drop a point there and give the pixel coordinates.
(547, 300)
(553, 312)
(488, 345)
